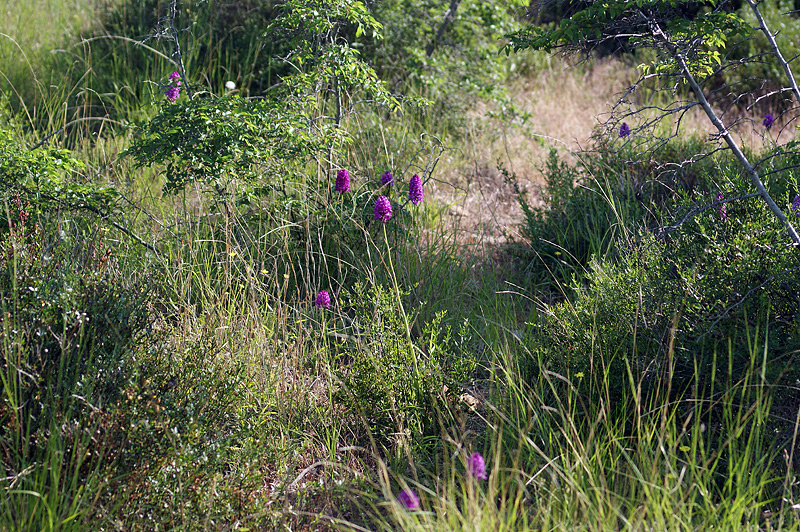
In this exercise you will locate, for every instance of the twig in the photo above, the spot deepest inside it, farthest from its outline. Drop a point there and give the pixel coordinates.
(89, 208)
(691, 214)
(449, 16)
(771, 38)
(678, 55)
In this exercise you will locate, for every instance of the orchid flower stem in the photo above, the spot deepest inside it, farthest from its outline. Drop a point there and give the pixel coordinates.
(394, 282)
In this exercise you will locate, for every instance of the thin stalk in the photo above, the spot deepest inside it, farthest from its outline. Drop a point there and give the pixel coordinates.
(394, 283)
(177, 43)
(337, 123)
(771, 38)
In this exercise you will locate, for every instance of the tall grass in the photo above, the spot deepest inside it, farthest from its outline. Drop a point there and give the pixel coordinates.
(557, 462)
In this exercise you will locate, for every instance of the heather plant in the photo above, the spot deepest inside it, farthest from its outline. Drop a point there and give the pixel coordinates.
(589, 210)
(678, 263)
(671, 245)
(69, 321)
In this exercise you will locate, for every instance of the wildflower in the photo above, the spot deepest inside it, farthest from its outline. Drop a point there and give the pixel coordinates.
(723, 208)
(383, 209)
(796, 205)
(230, 85)
(174, 76)
(476, 466)
(342, 181)
(387, 178)
(408, 499)
(768, 121)
(323, 299)
(415, 189)
(624, 130)
(173, 92)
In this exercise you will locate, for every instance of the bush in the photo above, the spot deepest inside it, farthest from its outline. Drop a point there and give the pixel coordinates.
(393, 385)
(682, 294)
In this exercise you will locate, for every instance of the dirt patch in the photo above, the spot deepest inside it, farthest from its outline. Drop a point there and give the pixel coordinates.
(471, 181)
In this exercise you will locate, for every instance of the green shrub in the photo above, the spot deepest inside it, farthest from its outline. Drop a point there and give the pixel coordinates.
(682, 295)
(587, 210)
(593, 207)
(393, 385)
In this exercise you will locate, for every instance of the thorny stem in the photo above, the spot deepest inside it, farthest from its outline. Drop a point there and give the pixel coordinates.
(658, 33)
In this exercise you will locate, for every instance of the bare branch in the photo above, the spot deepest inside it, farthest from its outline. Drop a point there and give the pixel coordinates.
(771, 38)
(724, 132)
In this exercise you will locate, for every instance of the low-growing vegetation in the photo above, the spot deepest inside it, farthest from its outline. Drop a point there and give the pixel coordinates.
(247, 281)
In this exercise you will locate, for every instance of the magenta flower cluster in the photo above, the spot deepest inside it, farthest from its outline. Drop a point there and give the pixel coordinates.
(722, 209)
(768, 121)
(323, 299)
(383, 209)
(408, 499)
(174, 90)
(796, 205)
(415, 190)
(342, 181)
(624, 130)
(387, 178)
(476, 467)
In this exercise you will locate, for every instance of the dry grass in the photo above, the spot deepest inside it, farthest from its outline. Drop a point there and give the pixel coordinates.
(485, 207)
